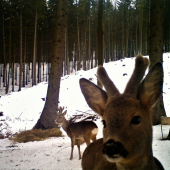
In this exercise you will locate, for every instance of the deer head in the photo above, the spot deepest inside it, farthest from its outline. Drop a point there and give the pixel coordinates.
(127, 132)
(60, 116)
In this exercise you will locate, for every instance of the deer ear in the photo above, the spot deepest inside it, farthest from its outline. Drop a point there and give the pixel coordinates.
(151, 87)
(94, 96)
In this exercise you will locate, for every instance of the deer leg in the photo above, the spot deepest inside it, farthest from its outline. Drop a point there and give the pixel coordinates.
(79, 141)
(93, 138)
(87, 140)
(72, 147)
(79, 151)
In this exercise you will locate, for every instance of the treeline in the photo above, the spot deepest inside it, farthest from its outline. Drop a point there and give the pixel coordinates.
(27, 31)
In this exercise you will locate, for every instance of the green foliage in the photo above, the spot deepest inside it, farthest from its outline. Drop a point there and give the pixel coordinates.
(36, 135)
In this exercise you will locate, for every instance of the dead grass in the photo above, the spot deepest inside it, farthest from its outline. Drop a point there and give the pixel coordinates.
(36, 135)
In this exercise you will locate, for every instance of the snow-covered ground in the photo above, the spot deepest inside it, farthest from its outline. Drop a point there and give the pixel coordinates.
(22, 109)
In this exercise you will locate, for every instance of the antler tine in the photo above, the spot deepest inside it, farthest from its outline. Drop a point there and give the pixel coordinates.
(107, 82)
(60, 109)
(141, 64)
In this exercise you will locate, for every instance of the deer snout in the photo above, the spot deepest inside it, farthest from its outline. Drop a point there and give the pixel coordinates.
(114, 149)
(59, 124)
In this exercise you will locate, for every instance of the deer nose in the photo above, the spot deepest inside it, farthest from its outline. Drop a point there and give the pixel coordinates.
(114, 149)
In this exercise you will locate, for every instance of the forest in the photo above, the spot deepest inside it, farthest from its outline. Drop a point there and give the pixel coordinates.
(27, 34)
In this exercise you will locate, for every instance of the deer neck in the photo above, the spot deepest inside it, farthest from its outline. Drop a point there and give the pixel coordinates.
(65, 124)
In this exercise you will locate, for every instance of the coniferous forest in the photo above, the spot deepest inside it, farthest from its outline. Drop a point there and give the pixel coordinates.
(27, 33)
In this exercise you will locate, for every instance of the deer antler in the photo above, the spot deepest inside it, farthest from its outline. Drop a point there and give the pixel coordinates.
(107, 82)
(60, 110)
(140, 66)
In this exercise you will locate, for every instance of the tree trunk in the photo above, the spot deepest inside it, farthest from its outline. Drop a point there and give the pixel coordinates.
(131, 41)
(123, 27)
(136, 41)
(85, 58)
(127, 36)
(89, 44)
(25, 50)
(141, 30)
(9, 70)
(78, 41)
(156, 49)
(20, 72)
(4, 53)
(65, 53)
(168, 137)
(100, 36)
(49, 112)
(13, 72)
(34, 50)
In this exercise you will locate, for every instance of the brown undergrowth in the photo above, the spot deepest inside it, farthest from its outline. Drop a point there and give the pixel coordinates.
(36, 135)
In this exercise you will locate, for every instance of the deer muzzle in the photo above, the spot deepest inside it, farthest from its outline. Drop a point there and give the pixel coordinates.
(114, 150)
(59, 124)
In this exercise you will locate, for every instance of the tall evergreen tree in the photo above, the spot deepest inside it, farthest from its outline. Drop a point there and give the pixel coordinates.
(20, 72)
(100, 36)
(156, 49)
(49, 112)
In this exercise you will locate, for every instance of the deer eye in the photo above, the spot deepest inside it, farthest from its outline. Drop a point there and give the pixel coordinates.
(104, 123)
(136, 120)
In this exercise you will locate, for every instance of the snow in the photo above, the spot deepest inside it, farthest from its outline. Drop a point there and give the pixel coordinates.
(22, 109)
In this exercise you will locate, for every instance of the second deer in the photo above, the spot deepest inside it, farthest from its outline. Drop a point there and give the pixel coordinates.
(127, 133)
(83, 130)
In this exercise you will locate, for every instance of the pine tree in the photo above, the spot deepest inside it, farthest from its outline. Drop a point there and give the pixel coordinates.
(49, 112)
(155, 51)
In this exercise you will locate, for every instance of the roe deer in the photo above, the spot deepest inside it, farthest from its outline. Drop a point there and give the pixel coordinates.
(127, 132)
(77, 131)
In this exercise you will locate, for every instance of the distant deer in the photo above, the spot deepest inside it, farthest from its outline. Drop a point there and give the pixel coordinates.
(127, 133)
(83, 130)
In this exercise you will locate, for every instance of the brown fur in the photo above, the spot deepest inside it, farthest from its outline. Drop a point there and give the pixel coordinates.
(78, 132)
(120, 112)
